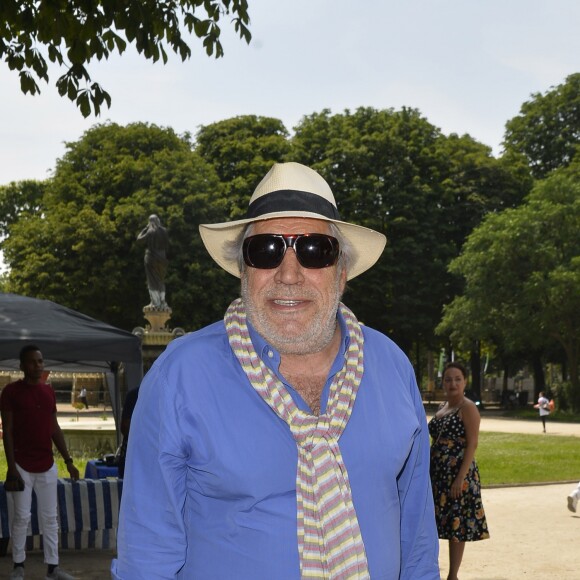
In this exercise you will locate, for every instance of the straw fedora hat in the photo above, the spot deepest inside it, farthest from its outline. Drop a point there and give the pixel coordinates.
(293, 190)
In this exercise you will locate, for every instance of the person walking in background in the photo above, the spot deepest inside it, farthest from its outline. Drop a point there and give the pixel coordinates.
(543, 405)
(573, 499)
(286, 440)
(28, 409)
(455, 479)
(83, 397)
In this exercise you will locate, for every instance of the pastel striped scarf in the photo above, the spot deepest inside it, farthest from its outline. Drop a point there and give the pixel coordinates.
(329, 538)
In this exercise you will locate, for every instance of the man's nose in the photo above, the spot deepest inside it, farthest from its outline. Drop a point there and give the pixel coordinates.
(290, 271)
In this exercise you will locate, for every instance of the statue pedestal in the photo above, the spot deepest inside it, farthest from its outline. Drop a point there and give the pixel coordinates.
(156, 335)
(157, 319)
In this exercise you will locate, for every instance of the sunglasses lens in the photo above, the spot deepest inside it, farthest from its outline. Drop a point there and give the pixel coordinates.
(317, 251)
(264, 251)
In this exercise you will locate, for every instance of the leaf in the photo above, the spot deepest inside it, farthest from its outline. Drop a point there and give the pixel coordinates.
(201, 27)
(78, 52)
(28, 84)
(98, 96)
(15, 62)
(83, 103)
(54, 54)
(35, 30)
(61, 85)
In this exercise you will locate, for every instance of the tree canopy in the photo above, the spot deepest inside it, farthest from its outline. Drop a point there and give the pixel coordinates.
(80, 249)
(395, 172)
(72, 240)
(242, 150)
(547, 130)
(522, 275)
(17, 200)
(71, 33)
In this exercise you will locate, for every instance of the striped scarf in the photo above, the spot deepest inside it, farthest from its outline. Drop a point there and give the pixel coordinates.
(329, 538)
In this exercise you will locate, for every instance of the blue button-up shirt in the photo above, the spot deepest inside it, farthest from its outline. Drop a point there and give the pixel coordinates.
(210, 481)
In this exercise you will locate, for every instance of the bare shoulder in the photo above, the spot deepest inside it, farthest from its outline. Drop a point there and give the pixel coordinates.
(470, 412)
(469, 404)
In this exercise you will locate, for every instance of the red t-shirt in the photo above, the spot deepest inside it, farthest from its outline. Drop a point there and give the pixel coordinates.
(33, 407)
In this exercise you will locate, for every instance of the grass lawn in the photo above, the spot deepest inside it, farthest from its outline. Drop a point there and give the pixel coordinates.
(80, 464)
(510, 458)
(503, 458)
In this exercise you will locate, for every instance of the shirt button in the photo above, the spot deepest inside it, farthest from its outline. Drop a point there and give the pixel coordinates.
(270, 354)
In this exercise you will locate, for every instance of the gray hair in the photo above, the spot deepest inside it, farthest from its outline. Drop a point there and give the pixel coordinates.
(348, 254)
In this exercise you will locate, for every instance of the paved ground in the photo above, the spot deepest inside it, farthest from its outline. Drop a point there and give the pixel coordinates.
(533, 535)
(490, 421)
(493, 422)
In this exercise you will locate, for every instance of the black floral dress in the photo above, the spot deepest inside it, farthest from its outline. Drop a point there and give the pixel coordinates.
(462, 519)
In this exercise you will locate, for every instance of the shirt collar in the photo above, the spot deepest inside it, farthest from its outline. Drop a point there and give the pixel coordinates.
(271, 356)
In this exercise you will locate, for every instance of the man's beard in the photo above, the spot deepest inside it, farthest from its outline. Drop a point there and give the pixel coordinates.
(316, 334)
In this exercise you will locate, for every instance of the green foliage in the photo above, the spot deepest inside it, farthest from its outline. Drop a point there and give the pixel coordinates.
(567, 396)
(394, 172)
(73, 33)
(82, 251)
(242, 150)
(390, 170)
(522, 275)
(19, 200)
(508, 458)
(547, 130)
(80, 462)
(4, 282)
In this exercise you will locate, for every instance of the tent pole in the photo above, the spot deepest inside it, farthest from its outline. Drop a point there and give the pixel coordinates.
(117, 402)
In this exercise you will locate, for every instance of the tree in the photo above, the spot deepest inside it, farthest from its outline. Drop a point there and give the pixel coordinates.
(82, 250)
(522, 276)
(376, 163)
(74, 32)
(547, 130)
(394, 172)
(242, 150)
(18, 200)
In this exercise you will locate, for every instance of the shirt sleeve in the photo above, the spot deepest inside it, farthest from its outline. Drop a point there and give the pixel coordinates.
(419, 539)
(151, 540)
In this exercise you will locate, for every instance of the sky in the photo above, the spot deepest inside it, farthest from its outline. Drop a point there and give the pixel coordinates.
(467, 65)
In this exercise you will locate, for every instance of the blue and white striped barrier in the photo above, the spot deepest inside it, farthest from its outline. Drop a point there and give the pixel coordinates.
(88, 514)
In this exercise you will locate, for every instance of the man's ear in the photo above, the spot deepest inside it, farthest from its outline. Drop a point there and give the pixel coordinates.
(342, 281)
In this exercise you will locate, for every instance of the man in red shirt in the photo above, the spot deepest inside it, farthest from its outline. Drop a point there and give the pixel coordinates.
(28, 408)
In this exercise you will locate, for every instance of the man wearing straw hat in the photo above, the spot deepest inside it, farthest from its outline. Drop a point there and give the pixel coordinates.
(286, 441)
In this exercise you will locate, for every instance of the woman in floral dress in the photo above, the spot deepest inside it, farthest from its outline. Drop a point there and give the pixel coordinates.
(454, 474)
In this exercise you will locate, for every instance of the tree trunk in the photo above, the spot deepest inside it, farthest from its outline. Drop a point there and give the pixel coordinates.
(418, 365)
(539, 375)
(475, 363)
(573, 375)
(506, 376)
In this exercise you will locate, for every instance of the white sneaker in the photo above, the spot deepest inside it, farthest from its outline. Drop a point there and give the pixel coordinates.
(572, 503)
(17, 573)
(58, 574)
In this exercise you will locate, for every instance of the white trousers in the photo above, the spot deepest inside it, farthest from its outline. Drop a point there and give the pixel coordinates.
(44, 485)
(576, 492)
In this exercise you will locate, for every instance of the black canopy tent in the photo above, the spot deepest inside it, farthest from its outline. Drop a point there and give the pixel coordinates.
(69, 341)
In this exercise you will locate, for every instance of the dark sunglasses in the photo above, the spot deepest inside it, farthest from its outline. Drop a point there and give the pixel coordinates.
(266, 251)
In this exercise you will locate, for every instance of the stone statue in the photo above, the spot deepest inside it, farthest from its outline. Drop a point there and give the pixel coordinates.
(157, 240)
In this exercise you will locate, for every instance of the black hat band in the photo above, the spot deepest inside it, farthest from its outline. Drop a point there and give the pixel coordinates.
(292, 200)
